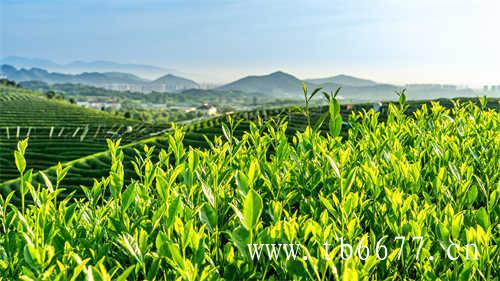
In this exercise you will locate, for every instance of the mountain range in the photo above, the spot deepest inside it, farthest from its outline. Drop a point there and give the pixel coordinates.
(274, 85)
(79, 66)
(110, 80)
(284, 85)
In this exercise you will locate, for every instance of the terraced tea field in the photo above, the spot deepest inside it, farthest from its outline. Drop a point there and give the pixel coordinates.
(191, 208)
(94, 160)
(89, 158)
(83, 148)
(58, 131)
(61, 132)
(22, 107)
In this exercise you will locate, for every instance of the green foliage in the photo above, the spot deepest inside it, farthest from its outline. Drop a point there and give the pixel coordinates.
(307, 101)
(252, 209)
(335, 124)
(22, 107)
(58, 131)
(190, 212)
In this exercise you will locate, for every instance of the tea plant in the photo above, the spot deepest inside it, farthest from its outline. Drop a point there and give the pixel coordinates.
(191, 214)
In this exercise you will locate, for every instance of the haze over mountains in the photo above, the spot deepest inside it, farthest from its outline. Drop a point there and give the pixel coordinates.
(344, 80)
(80, 66)
(277, 84)
(109, 80)
(289, 86)
(178, 82)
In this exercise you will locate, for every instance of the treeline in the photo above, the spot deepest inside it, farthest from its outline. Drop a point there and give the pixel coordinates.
(79, 90)
(192, 97)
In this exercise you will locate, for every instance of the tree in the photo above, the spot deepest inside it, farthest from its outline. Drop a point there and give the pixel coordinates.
(50, 94)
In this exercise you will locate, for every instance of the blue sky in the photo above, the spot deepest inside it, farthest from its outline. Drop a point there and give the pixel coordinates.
(449, 41)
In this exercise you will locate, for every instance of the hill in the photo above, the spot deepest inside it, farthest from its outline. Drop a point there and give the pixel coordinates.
(22, 107)
(90, 78)
(281, 84)
(109, 66)
(172, 83)
(109, 80)
(343, 80)
(86, 66)
(69, 90)
(276, 83)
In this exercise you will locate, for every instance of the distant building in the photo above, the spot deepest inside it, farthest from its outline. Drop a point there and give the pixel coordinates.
(99, 105)
(83, 103)
(210, 109)
(485, 88)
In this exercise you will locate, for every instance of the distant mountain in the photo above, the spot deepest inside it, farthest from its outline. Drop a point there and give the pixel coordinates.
(109, 66)
(90, 78)
(343, 80)
(276, 83)
(21, 62)
(109, 80)
(75, 67)
(175, 83)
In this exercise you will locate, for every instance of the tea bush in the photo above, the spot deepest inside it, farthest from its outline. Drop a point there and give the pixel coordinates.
(191, 213)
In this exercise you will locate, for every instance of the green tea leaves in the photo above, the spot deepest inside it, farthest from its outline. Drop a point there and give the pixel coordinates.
(128, 196)
(188, 213)
(252, 209)
(209, 195)
(483, 218)
(208, 215)
(20, 161)
(173, 210)
(335, 123)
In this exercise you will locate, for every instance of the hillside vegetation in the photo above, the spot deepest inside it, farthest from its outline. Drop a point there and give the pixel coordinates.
(22, 107)
(84, 148)
(190, 212)
(58, 131)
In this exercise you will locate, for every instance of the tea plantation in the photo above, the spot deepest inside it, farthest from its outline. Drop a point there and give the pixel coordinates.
(63, 132)
(94, 160)
(83, 147)
(58, 131)
(184, 203)
(191, 212)
(22, 107)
